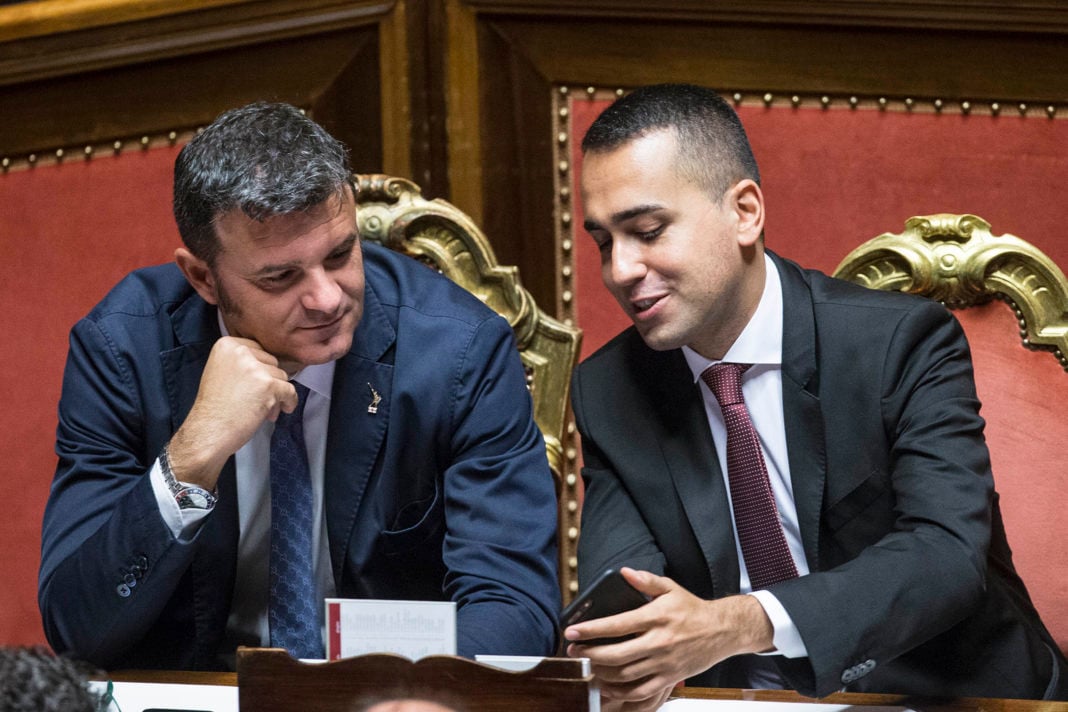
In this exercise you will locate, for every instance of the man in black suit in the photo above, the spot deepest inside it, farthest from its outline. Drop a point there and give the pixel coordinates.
(899, 576)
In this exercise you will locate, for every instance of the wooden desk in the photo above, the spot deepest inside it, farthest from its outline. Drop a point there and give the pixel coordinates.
(969, 704)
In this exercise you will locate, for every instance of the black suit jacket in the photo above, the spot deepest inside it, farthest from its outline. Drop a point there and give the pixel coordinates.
(912, 587)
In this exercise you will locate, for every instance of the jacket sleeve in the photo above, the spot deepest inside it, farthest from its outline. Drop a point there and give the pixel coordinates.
(108, 562)
(925, 570)
(500, 549)
(614, 533)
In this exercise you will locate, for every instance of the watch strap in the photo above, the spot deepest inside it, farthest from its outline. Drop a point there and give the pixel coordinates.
(186, 495)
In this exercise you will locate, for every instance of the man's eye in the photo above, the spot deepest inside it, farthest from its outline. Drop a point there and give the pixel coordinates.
(278, 279)
(651, 234)
(339, 259)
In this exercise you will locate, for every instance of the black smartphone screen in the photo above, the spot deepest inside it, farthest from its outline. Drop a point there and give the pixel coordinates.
(608, 595)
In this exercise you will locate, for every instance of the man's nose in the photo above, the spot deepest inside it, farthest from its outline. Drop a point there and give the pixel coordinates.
(323, 293)
(626, 265)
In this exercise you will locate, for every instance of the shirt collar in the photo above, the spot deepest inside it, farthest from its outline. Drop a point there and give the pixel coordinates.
(761, 340)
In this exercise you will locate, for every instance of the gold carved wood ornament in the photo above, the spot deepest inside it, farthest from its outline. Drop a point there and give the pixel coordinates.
(956, 260)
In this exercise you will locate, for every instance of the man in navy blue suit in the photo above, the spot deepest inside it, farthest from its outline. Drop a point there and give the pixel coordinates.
(428, 474)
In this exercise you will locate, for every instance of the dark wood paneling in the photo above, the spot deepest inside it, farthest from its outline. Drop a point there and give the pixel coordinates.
(175, 71)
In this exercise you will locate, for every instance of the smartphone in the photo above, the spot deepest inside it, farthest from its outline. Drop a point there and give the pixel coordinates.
(608, 595)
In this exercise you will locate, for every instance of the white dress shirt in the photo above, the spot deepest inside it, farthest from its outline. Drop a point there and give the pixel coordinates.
(248, 623)
(760, 344)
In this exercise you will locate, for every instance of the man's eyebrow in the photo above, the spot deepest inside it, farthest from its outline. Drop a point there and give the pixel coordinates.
(622, 216)
(345, 245)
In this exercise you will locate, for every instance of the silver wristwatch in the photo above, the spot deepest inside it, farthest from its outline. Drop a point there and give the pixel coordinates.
(187, 496)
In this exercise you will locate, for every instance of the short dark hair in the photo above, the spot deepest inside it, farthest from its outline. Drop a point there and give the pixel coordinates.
(713, 149)
(265, 159)
(32, 679)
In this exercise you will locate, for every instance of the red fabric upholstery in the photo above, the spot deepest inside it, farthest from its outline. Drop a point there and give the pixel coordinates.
(67, 234)
(833, 179)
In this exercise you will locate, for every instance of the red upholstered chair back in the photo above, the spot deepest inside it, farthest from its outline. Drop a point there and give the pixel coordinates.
(1012, 292)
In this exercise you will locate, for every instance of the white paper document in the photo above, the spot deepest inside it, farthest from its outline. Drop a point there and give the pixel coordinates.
(141, 696)
(414, 629)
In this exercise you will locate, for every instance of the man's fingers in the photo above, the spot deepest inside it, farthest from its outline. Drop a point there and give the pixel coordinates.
(648, 583)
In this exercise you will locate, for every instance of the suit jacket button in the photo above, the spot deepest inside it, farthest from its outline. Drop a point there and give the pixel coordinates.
(130, 580)
(123, 590)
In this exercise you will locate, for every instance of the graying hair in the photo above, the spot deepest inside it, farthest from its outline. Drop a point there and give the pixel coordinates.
(264, 159)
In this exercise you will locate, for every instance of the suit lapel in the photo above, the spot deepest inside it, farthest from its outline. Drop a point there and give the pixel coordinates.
(801, 405)
(213, 569)
(359, 416)
(690, 457)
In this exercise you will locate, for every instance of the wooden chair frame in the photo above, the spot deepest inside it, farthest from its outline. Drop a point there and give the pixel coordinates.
(956, 260)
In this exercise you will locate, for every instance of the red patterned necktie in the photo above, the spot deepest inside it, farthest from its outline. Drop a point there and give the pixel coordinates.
(767, 557)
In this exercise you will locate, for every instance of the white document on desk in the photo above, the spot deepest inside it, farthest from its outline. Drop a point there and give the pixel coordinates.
(413, 629)
(754, 706)
(141, 696)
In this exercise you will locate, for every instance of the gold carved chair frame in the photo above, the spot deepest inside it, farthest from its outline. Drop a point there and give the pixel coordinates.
(956, 260)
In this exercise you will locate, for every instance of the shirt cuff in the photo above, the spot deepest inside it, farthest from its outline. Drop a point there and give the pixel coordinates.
(787, 639)
(183, 523)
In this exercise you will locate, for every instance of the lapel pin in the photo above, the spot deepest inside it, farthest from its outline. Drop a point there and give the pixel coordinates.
(372, 407)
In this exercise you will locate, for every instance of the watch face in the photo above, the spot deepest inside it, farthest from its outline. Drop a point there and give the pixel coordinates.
(194, 498)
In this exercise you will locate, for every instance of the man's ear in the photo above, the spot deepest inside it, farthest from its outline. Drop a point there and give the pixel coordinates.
(198, 273)
(747, 202)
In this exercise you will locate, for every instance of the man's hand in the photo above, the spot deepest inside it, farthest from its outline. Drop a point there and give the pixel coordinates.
(241, 387)
(677, 635)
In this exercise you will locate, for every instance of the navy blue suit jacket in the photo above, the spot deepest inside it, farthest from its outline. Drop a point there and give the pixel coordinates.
(443, 494)
(912, 587)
